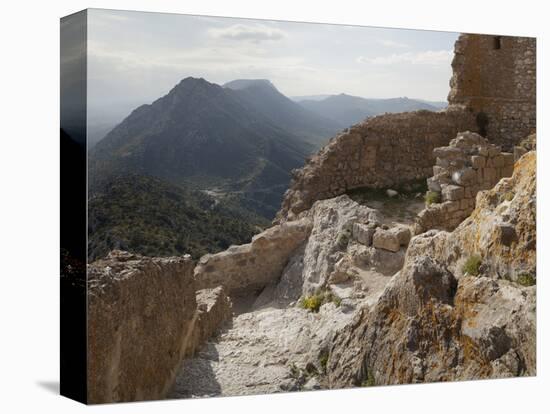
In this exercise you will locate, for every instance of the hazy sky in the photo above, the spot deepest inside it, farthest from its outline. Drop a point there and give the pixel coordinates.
(136, 57)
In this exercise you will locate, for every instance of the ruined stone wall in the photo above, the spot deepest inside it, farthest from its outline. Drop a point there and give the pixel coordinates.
(141, 317)
(384, 151)
(469, 164)
(495, 76)
(144, 317)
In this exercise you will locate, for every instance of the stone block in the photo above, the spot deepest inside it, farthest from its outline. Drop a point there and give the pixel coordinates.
(508, 158)
(452, 192)
(498, 161)
(363, 233)
(433, 184)
(451, 206)
(464, 176)
(494, 150)
(385, 239)
(478, 161)
(403, 234)
(489, 175)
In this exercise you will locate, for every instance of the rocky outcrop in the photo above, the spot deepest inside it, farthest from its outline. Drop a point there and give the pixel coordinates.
(384, 151)
(332, 226)
(428, 326)
(141, 315)
(469, 164)
(248, 268)
(440, 321)
(501, 230)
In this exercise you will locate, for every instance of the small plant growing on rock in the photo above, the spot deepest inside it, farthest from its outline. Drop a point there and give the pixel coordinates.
(369, 381)
(472, 265)
(343, 239)
(526, 279)
(312, 303)
(509, 195)
(432, 197)
(323, 360)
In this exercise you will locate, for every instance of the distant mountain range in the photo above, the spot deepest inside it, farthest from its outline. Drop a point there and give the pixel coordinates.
(347, 110)
(227, 150)
(244, 138)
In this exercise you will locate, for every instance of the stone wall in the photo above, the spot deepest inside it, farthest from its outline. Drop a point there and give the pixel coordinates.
(384, 151)
(496, 76)
(141, 315)
(466, 166)
(144, 318)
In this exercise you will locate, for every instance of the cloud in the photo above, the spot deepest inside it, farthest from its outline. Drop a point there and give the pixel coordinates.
(254, 33)
(391, 43)
(428, 57)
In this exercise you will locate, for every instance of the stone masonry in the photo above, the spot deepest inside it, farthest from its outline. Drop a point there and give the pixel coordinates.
(495, 76)
(466, 166)
(384, 151)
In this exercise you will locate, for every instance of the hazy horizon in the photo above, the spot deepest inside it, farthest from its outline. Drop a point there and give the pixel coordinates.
(136, 57)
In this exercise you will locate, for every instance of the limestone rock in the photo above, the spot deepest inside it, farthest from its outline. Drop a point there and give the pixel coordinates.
(214, 308)
(487, 326)
(333, 221)
(363, 233)
(251, 267)
(386, 239)
(487, 323)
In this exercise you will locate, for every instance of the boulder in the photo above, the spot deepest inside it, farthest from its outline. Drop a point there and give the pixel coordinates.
(363, 233)
(386, 239)
(250, 267)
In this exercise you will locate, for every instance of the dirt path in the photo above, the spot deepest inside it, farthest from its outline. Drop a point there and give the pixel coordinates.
(272, 349)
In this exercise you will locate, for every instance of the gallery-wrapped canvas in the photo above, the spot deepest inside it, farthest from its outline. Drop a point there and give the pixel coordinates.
(255, 207)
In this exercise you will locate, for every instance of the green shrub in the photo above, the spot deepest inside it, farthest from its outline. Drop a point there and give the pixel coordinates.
(472, 265)
(432, 197)
(312, 303)
(369, 381)
(526, 279)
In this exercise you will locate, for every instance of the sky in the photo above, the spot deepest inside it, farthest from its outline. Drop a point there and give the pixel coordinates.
(136, 57)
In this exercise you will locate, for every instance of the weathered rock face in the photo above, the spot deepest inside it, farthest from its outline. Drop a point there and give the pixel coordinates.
(384, 151)
(250, 267)
(466, 166)
(213, 308)
(427, 326)
(141, 315)
(333, 222)
(501, 229)
(435, 323)
(495, 76)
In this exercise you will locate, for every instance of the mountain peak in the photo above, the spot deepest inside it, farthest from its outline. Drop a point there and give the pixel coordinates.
(239, 84)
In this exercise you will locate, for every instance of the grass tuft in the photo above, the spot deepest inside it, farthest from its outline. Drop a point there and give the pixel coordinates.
(472, 265)
(432, 197)
(526, 279)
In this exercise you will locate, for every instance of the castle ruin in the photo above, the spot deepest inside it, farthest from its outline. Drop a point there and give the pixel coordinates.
(492, 93)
